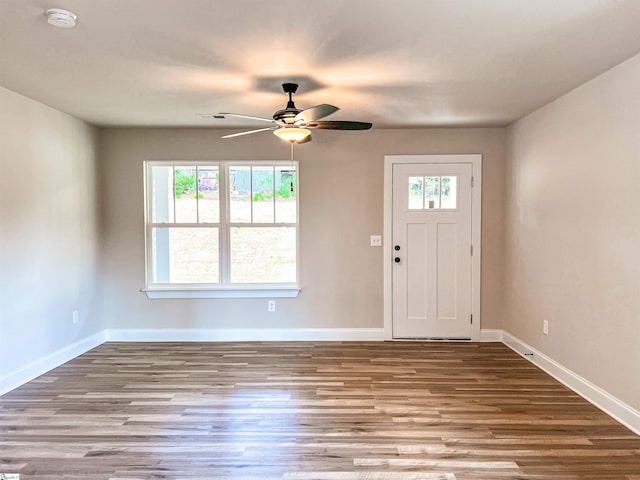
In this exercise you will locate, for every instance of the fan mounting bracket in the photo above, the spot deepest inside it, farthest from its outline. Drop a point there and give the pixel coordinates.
(290, 87)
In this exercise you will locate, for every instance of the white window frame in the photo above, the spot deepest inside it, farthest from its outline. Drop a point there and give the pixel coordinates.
(224, 289)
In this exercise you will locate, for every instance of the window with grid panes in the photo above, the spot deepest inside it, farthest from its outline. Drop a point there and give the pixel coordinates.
(221, 225)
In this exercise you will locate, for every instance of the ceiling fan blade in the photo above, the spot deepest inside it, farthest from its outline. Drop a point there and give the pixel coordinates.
(315, 113)
(249, 117)
(340, 125)
(305, 139)
(239, 134)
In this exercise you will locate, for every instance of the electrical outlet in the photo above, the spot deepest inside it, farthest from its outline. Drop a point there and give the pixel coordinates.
(545, 327)
(271, 306)
(74, 317)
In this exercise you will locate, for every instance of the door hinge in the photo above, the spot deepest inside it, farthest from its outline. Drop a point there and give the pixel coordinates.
(471, 318)
(472, 250)
(473, 182)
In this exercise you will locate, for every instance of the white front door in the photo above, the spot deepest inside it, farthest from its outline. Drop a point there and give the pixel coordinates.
(431, 249)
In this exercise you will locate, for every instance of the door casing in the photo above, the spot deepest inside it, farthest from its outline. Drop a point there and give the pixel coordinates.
(476, 222)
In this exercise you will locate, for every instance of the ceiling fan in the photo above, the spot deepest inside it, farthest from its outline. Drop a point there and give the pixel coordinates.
(293, 124)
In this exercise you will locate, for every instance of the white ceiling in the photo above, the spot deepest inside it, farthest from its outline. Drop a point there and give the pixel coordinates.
(397, 63)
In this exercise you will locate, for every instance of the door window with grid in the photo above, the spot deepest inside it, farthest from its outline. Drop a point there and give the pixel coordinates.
(221, 225)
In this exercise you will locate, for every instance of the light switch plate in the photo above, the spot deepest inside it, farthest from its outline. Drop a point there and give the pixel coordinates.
(375, 240)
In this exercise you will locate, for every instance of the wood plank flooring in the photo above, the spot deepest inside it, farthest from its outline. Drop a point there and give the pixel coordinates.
(307, 411)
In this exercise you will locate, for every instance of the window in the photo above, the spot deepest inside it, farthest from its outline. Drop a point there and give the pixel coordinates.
(221, 227)
(433, 193)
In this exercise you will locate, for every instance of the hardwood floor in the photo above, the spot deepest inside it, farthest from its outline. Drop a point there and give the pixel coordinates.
(307, 411)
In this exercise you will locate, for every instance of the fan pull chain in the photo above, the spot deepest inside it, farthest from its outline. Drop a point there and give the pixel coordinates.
(291, 169)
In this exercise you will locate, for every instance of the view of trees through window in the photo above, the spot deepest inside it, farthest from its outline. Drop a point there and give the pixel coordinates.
(429, 193)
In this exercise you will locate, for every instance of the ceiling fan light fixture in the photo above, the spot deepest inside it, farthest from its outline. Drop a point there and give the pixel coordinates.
(292, 134)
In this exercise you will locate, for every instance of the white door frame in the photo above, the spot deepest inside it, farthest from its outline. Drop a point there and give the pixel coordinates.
(476, 223)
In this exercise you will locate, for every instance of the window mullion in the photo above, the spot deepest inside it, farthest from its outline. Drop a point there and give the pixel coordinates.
(173, 193)
(273, 189)
(224, 231)
(197, 194)
(251, 191)
(262, 225)
(185, 225)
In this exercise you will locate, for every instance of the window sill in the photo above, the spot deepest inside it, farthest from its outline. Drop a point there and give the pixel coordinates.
(222, 293)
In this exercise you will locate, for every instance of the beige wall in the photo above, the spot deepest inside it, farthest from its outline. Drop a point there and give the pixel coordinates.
(341, 204)
(573, 230)
(48, 236)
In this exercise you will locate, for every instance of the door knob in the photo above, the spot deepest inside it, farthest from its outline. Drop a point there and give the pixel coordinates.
(397, 259)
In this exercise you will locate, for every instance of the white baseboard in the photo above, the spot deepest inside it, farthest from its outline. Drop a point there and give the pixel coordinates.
(244, 335)
(489, 335)
(49, 362)
(261, 335)
(616, 408)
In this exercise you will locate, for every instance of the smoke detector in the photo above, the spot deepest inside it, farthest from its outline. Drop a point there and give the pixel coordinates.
(61, 18)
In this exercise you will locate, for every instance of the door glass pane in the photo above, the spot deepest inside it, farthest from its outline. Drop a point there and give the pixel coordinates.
(161, 194)
(263, 255)
(185, 195)
(431, 192)
(416, 193)
(240, 194)
(449, 191)
(262, 194)
(286, 192)
(208, 195)
(185, 255)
